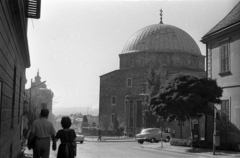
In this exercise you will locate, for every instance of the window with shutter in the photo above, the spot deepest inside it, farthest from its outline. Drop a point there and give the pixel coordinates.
(224, 58)
(225, 106)
(33, 9)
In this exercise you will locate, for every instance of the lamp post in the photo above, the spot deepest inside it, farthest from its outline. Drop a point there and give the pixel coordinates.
(216, 138)
(30, 91)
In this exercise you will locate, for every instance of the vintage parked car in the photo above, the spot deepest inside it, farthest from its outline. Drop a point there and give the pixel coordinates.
(80, 138)
(152, 135)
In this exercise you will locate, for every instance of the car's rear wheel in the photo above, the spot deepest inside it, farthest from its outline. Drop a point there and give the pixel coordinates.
(153, 140)
(81, 142)
(140, 142)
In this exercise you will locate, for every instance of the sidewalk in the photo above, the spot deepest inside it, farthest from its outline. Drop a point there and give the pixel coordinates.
(191, 151)
(156, 146)
(29, 153)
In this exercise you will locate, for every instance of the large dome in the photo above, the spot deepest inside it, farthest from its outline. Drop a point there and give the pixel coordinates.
(161, 38)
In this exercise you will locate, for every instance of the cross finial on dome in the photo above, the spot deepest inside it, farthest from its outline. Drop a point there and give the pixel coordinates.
(161, 16)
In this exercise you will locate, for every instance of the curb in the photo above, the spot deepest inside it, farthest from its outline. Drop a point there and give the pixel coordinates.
(111, 140)
(175, 151)
(194, 154)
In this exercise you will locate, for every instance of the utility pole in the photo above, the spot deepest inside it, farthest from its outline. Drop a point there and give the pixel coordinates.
(216, 138)
(214, 130)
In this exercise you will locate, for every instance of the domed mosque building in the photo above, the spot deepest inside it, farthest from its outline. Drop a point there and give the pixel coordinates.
(164, 48)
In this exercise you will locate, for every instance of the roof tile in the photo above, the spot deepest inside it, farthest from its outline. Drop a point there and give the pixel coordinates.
(232, 17)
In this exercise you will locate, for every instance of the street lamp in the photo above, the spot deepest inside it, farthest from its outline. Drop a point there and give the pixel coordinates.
(30, 91)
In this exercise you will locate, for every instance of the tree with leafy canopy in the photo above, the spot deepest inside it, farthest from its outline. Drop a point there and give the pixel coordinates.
(152, 89)
(184, 97)
(85, 119)
(150, 119)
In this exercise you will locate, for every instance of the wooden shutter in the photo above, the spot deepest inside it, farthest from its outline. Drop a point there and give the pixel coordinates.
(221, 59)
(32, 8)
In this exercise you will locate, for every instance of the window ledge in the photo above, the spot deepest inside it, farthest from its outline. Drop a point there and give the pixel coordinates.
(226, 73)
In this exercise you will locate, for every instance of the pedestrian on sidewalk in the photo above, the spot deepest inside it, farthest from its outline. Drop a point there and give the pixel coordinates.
(41, 131)
(99, 135)
(67, 136)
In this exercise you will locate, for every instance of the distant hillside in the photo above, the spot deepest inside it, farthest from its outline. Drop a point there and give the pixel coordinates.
(72, 110)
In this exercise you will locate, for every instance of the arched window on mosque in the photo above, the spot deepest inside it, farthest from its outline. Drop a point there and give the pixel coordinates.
(129, 82)
(113, 100)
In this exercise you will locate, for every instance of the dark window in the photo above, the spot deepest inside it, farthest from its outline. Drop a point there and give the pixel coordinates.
(225, 111)
(19, 100)
(1, 85)
(225, 106)
(113, 100)
(126, 107)
(11, 151)
(13, 95)
(113, 118)
(129, 82)
(224, 58)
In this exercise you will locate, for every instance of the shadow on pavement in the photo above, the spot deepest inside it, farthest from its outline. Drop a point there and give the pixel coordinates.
(197, 150)
(217, 153)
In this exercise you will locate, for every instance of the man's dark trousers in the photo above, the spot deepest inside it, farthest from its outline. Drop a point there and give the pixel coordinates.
(42, 148)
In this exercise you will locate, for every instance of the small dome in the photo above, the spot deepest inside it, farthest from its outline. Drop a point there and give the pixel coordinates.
(161, 38)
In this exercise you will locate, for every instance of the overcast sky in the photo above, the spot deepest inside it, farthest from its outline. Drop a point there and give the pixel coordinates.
(74, 42)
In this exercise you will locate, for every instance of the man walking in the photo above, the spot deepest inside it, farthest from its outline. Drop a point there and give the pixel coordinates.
(42, 129)
(99, 135)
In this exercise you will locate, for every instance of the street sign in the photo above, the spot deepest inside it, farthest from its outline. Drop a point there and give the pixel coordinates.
(93, 124)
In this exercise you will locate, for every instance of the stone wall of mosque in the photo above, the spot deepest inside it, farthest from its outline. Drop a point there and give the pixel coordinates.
(156, 59)
(114, 84)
